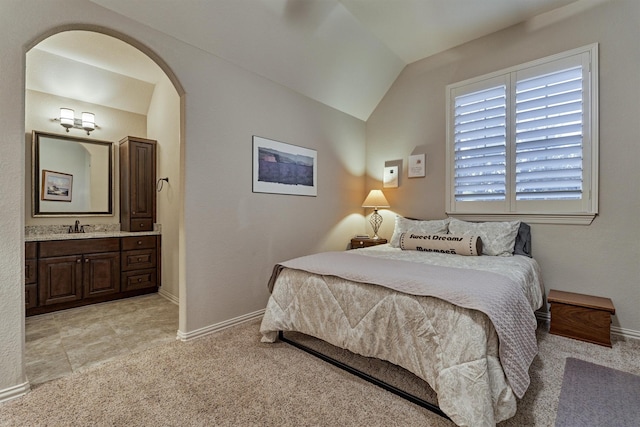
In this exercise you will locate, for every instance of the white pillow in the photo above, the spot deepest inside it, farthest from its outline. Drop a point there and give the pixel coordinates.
(417, 226)
(498, 238)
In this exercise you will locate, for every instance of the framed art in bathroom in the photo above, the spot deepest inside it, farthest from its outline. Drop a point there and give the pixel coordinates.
(56, 186)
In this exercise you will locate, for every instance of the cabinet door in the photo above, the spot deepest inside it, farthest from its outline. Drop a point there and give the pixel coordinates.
(60, 279)
(101, 274)
(137, 184)
(143, 173)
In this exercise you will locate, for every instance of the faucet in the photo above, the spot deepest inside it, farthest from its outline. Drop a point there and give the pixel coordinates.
(77, 228)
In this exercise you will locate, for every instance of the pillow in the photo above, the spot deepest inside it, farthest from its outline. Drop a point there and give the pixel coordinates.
(442, 243)
(523, 241)
(404, 225)
(498, 238)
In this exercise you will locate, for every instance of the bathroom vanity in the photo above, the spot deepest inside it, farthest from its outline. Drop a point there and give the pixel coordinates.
(87, 268)
(79, 265)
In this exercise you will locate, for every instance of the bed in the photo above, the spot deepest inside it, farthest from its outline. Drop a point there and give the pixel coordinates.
(464, 324)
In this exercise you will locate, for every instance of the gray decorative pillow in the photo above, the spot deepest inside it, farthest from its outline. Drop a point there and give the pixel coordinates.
(498, 238)
(417, 226)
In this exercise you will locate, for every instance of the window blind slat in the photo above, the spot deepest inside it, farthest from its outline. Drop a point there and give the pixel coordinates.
(537, 144)
(479, 143)
(556, 110)
(572, 73)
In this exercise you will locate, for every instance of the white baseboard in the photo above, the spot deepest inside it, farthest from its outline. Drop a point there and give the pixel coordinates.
(615, 330)
(174, 299)
(14, 392)
(182, 336)
(627, 333)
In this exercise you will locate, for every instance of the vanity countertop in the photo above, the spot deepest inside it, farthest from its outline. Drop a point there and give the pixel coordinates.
(90, 235)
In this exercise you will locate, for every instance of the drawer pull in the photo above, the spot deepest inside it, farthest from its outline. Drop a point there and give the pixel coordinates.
(139, 259)
(139, 279)
(141, 225)
(139, 242)
(78, 261)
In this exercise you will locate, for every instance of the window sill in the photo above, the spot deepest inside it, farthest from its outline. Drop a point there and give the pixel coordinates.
(570, 219)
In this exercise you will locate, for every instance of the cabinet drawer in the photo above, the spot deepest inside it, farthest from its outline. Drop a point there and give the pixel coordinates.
(142, 242)
(78, 246)
(31, 295)
(138, 260)
(145, 224)
(30, 271)
(139, 279)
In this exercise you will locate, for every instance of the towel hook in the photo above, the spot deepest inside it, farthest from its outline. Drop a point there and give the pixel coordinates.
(160, 183)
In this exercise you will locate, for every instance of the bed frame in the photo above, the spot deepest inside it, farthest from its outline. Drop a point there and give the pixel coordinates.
(410, 397)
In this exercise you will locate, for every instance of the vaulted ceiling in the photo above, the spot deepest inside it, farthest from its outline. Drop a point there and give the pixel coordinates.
(343, 53)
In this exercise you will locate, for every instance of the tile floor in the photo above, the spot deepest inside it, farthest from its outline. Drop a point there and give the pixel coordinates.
(67, 341)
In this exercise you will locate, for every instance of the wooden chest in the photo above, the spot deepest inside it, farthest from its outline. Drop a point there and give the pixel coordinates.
(582, 317)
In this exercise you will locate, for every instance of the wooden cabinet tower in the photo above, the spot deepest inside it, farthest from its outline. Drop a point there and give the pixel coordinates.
(137, 184)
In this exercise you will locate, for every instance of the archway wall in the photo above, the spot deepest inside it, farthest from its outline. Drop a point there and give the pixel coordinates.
(231, 236)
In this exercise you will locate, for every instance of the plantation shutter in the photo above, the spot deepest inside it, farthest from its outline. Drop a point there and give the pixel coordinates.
(549, 136)
(480, 145)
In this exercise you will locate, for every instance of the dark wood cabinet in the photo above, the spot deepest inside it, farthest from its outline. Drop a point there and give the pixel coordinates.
(71, 270)
(31, 274)
(139, 262)
(77, 272)
(60, 279)
(101, 274)
(137, 184)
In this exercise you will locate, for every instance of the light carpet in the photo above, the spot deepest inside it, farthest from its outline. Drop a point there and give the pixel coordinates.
(230, 378)
(594, 396)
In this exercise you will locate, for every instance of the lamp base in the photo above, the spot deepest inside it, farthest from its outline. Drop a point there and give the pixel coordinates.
(376, 221)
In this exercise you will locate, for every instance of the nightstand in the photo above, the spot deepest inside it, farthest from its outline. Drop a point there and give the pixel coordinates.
(358, 242)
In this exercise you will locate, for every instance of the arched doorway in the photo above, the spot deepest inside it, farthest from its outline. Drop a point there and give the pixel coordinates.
(132, 92)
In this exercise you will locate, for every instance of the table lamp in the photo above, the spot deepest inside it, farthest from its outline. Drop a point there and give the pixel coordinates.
(375, 200)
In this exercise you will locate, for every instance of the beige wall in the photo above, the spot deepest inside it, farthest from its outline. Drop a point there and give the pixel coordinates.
(600, 259)
(232, 236)
(163, 120)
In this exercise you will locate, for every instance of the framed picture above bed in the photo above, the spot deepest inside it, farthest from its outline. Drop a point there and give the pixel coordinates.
(284, 168)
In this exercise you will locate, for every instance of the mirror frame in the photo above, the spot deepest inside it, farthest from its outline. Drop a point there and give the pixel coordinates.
(36, 179)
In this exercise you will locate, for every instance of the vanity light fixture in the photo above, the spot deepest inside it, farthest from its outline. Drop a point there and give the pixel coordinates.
(375, 200)
(67, 120)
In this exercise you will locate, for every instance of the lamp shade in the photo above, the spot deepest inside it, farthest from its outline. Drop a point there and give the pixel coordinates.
(88, 121)
(66, 117)
(376, 200)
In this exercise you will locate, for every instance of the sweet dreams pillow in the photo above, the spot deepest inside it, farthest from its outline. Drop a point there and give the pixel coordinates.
(442, 243)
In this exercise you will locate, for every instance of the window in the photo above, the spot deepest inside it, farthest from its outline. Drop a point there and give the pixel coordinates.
(523, 141)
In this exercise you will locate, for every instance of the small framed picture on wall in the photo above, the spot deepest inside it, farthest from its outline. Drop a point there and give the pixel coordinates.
(390, 177)
(417, 166)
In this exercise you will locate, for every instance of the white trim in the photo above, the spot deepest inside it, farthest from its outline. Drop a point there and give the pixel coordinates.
(579, 212)
(575, 219)
(174, 299)
(627, 333)
(14, 392)
(542, 316)
(198, 333)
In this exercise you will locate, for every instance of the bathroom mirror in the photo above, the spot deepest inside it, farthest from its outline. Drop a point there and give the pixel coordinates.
(71, 176)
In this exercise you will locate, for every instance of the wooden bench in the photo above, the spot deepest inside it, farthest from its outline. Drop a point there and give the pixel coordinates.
(582, 317)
